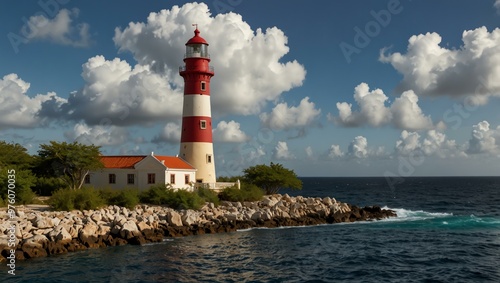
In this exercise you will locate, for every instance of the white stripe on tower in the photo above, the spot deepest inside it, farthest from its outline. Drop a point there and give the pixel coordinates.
(196, 105)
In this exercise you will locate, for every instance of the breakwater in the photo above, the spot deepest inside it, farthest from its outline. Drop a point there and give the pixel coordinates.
(34, 233)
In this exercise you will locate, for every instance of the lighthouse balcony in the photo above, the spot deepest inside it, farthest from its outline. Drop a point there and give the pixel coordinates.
(210, 69)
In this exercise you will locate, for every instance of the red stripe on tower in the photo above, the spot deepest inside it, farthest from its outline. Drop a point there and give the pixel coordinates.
(196, 137)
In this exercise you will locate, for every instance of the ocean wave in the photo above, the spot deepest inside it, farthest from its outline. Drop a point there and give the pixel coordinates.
(406, 214)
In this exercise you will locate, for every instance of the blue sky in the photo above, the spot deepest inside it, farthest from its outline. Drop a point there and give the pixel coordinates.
(335, 88)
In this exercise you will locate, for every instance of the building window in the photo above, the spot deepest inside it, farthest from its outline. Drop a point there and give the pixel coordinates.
(112, 178)
(87, 179)
(209, 158)
(172, 179)
(151, 178)
(186, 179)
(203, 86)
(130, 179)
(203, 124)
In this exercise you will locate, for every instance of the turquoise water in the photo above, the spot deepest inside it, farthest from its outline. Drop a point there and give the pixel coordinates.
(448, 230)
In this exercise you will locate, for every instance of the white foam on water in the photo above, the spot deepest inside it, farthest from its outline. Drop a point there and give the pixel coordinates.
(412, 215)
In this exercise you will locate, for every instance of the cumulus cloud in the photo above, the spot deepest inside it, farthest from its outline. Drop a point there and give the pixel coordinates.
(358, 147)
(171, 133)
(117, 94)
(335, 152)
(248, 68)
(484, 139)
(432, 70)
(97, 135)
(17, 109)
(229, 132)
(404, 113)
(281, 151)
(60, 29)
(434, 144)
(283, 117)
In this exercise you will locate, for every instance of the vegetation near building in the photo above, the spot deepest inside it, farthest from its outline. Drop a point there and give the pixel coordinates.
(272, 178)
(71, 162)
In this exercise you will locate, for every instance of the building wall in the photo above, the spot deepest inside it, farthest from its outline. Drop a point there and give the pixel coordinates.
(100, 179)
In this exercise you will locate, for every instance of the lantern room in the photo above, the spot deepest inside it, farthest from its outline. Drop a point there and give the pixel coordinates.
(197, 46)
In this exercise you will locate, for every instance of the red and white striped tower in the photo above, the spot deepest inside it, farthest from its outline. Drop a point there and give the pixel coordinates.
(196, 136)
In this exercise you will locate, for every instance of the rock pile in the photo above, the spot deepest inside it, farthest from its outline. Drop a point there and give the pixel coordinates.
(39, 234)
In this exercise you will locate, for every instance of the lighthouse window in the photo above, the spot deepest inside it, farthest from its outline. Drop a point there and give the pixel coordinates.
(203, 124)
(203, 86)
(209, 158)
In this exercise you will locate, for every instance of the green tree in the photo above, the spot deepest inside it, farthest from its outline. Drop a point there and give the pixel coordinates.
(272, 178)
(69, 161)
(15, 165)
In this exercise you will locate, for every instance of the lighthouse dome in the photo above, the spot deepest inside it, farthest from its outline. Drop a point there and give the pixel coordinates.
(197, 39)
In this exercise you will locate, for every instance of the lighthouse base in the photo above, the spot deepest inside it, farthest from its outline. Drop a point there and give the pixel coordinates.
(201, 156)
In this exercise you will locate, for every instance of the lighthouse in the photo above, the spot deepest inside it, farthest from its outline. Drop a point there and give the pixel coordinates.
(196, 132)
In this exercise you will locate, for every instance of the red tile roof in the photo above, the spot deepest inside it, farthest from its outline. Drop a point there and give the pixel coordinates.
(174, 162)
(121, 161)
(128, 162)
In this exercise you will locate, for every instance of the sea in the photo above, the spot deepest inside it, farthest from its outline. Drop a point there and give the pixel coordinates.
(447, 230)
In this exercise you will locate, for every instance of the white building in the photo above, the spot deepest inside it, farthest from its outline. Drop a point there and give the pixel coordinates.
(141, 172)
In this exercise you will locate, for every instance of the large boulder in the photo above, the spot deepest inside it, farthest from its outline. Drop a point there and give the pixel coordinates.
(60, 234)
(43, 223)
(90, 229)
(174, 218)
(129, 230)
(190, 217)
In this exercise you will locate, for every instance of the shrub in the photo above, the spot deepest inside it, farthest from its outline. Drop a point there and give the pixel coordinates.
(154, 195)
(63, 199)
(177, 199)
(208, 195)
(25, 196)
(183, 199)
(85, 198)
(128, 198)
(248, 192)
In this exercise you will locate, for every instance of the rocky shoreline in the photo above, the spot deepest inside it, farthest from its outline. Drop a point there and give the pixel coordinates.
(45, 233)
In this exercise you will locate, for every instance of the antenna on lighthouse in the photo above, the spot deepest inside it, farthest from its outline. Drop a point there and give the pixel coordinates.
(195, 25)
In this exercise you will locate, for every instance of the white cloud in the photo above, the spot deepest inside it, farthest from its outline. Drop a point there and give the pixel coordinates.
(17, 109)
(404, 113)
(432, 70)
(283, 117)
(281, 152)
(97, 135)
(309, 152)
(434, 144)
(117, 94)
(358, 147)
(372, 108)
(335, 152)
(497, 5)
(171, 133)
(484, 139)
(229, 132)
(59, 29)
(248, 68)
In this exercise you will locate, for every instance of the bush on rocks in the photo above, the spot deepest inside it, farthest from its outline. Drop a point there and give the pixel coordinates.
(177, 199)
(128, 198)
(248, 192)
(84, 199)
(208, 195)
